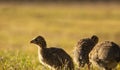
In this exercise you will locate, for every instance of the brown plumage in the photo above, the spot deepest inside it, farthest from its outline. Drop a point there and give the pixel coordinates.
(82, 50)
(105, 55)
(54, 58)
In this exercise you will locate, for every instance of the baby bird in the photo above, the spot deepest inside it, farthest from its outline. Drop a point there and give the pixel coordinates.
(105, 55)
(82, 50)
(54, 58)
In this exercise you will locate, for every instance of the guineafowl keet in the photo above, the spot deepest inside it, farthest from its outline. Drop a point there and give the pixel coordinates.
(105, 55)
(54, 58)
(82, 50)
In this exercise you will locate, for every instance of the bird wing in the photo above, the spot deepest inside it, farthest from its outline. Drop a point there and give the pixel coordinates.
(58, 55)
(105, 51)
(52, 58)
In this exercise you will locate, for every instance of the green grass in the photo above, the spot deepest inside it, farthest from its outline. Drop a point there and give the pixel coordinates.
(61, 25)
(19, 61)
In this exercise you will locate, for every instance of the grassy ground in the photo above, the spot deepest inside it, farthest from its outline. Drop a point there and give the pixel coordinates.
(62, 26)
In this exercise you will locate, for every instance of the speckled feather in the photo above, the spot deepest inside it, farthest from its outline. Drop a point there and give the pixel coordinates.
(105, 55)
(54, 58)
(82, 50)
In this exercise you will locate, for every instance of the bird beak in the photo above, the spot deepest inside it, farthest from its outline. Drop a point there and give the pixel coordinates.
(32, 41)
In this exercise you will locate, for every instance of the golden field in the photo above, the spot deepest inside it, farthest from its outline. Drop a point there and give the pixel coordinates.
(62, 25)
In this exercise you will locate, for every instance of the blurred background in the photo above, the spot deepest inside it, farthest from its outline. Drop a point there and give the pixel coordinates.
(61, 22)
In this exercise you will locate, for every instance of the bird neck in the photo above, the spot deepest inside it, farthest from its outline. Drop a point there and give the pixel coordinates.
(42, 46)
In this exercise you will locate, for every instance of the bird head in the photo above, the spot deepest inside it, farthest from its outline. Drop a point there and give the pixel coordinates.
(39, 40)
(95, 39)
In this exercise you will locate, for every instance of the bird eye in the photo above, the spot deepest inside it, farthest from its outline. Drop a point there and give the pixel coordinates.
(36, 40)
